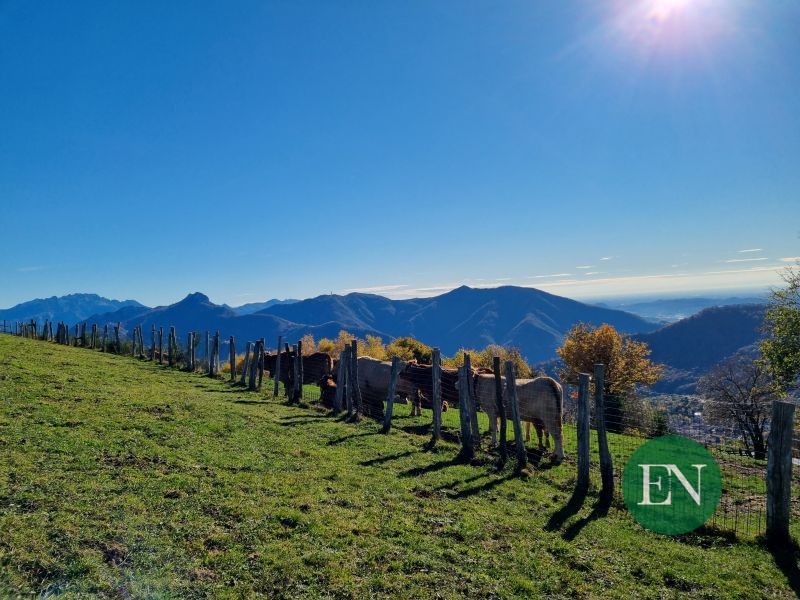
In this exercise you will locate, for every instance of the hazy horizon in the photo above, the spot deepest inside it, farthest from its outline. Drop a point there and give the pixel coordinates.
(718, 294)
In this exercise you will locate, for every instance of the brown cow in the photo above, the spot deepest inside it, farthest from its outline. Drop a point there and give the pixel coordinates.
(315, 366)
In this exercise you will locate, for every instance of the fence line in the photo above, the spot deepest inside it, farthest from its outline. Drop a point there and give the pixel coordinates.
(756, 496)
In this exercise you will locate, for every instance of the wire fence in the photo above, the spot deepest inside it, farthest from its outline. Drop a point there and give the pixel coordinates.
(364, 386)
(740, 452)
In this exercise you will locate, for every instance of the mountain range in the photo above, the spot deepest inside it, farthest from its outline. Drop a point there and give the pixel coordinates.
(70, 309)
(530, 319)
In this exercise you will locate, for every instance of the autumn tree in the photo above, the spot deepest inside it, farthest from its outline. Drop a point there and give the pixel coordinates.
(739, 393)
(780, 349)
(626, 360)
(627, 365)
(408, 348)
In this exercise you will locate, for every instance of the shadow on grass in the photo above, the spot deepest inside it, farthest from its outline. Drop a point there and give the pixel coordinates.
(382, 459)
(786, 556)
(344, 438)
(325, 416)
(437, 466)
(249, 402)
(599, 510)
(571, 509)
(453, 491)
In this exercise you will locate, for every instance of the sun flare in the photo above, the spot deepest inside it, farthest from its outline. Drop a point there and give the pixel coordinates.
(662, 10)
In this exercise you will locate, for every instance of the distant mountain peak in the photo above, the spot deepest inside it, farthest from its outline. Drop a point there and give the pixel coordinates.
(196, 298)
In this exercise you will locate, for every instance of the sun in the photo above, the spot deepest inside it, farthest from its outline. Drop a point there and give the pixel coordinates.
(663, 10)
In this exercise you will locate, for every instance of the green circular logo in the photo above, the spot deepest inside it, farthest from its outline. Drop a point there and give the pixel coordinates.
(671, 485)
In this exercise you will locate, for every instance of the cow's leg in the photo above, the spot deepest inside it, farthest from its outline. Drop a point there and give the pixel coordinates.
(527, 432)
(552, 423)
(538, 426)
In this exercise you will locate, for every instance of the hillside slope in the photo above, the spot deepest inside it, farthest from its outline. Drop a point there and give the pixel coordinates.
(122, 478)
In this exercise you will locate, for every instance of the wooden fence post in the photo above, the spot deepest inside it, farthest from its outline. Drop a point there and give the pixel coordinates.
(171, 345)
(261, 350)
(436, 386)
(246, 364)
(387, 418)
(251, 385)
(232, 358)
(133, 342)
(473, 403)
(152, 342)
(276, 376)
(206, 359)
(359, 405)
(501, 410)
(779, 472)
(341, 382)
(606, 465)
(189, 353)
(94, 334)
(116, 338)
(105, 338)
(511, 390)
(467, 451)
(298, 382)
(161, 345)
(582, 485)
(349, 383)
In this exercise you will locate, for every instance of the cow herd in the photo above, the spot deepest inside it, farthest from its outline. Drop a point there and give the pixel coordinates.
(540, 400)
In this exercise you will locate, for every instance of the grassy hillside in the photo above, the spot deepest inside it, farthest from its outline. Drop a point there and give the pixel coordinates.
(122, 478)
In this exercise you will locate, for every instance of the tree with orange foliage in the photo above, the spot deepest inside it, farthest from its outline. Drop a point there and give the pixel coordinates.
(626, 361)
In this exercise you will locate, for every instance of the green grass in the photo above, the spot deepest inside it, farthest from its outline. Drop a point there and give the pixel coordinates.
(122, 478)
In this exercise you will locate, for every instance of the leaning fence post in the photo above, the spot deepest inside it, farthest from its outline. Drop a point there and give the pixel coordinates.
(606, 465)
(387, 418)
(341, 382)
(359, 405)
(511, 389)
(436, 386)
(779, 472)
(582, 485)
(501, 410)
(246, 364)
(276, 376)
(232, 358)
(467, 451)
(260, 362)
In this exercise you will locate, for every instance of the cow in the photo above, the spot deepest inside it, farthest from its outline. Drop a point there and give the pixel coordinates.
(540, 401)
(415, 376)
(315, 366)
(327, 390)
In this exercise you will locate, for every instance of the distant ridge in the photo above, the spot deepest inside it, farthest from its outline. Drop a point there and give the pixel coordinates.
(693, 345)
(530, 319)
(70, 309)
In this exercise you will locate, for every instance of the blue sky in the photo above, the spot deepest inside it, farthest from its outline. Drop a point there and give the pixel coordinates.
(254, 150)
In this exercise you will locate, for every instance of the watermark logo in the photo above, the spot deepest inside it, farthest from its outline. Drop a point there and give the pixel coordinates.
(671, 485)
